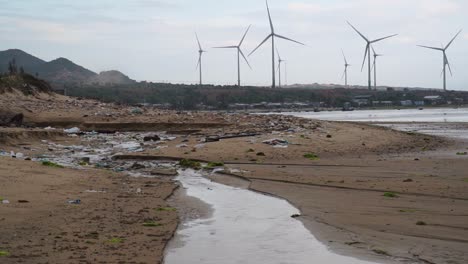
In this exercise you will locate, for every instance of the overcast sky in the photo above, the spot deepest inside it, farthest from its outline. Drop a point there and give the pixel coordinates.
(154, 40)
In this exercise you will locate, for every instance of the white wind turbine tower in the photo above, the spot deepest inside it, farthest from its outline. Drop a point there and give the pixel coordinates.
(239, 54)
(368, 54)
(346, 65)
(375, 67)
(280, 61)
(200, 54)
(272, 36)
(445, 59)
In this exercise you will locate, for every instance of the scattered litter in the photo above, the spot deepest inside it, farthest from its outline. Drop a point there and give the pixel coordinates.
(137, 111)
(78, 201)
(138, 190)
(74, 130)
(151, 138)
(182, 146)
(199, 146)
(5, 202)
(49, 128)
(277, 142)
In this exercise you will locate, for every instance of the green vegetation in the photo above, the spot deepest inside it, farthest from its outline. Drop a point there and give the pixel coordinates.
(51, 164)
(390, 195)
(116, 240)
(465, 180)
(166, 209)
(4, 253)
(152, 224)
(212, 165)
(311, 156)
(186, 163)
(188, 97)
(421, 223)
(462, 153)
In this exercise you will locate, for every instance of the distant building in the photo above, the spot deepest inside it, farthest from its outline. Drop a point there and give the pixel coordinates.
(362, 100)
(406, 103)
(433, 99)
(419, 103)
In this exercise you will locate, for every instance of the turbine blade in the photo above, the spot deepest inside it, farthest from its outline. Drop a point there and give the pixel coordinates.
(263, 42)
(199, 45)
(242, 40)
(243, 56)
(427, 47)
(279, 56)
(448, 63)
(365, 56)
(373, 50)
(269, 18)
(450, 43)
(226, 47)
(380, 39)
(279, 36)
(360, 34)
(344, 57)
(198, 64)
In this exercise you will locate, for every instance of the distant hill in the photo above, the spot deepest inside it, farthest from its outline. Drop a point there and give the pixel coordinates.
(27, 61)
(60, 71)
(111, 77)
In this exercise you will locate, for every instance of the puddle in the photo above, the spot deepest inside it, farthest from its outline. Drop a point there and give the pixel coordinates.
(245, 227)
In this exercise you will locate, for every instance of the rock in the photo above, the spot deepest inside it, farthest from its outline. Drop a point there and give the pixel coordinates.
(151, 138)
(164, 172)
(8, 118)
(137, 166)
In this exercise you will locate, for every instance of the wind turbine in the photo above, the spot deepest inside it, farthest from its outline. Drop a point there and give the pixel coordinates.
(367, 52)
(445, 59)
(346, 65)
(279, 67)
(375, 67)
(239, 54)
(200, 52)
(272, 36)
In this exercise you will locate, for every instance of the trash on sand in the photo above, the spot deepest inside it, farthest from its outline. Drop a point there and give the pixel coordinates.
(49, 128)
(5, 202)
(151, 138)
(137, 111)
(74, 130)
(182, 146)
(277, 142)
(78, 201)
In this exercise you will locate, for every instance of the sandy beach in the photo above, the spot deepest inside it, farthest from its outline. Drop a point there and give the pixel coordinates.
(364, 191)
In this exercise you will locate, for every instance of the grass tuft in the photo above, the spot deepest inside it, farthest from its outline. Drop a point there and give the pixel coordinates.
(311, 156)
(152, 224)
(166, 209)
(390, 195)
(186, 163)
(116, 240)
(212, 165)
(4, 253)
(51, 164)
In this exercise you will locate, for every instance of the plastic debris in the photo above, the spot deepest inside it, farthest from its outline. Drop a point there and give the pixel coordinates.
(74, 130)
(277, 142)
(78, 201)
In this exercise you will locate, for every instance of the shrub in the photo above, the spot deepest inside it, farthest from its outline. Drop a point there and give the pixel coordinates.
(311, 156)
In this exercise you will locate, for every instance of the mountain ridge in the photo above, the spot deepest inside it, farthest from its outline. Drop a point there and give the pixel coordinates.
(61, 71)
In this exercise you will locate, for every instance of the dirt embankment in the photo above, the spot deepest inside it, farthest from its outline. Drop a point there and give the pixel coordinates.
(119, 220)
